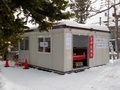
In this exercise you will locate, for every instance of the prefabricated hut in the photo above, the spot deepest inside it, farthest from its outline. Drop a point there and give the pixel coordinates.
(54, 49)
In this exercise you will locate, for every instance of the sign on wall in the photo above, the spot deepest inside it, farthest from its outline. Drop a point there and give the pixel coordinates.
(68, 41)
(43, 44)
(101, 42)
(91, 45)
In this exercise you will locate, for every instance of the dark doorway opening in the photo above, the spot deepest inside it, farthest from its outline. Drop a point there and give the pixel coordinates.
(80, 49)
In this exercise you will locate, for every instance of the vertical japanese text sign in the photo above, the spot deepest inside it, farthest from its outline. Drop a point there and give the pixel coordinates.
(91, 44)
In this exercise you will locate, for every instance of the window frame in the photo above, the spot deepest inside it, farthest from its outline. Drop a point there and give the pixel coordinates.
(23, 44)
(26, 41)
(44, 48)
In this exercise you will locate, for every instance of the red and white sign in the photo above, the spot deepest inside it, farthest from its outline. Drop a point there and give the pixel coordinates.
(91, 46)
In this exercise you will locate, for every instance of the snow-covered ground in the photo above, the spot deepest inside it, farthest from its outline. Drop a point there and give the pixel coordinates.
(105, 77)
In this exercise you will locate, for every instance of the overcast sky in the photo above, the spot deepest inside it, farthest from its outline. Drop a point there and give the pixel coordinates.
(102, 3)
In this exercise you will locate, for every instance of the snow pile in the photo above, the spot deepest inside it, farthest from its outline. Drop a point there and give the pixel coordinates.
(7, 85)
(106, 77)
(74, 24)
(71, 23)
(98, 27)
(87, 26)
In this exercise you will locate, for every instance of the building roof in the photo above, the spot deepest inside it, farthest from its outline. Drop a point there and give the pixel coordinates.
(74, 24)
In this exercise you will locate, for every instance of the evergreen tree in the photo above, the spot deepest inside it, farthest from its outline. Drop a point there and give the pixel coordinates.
(42, 12)
(81, 10)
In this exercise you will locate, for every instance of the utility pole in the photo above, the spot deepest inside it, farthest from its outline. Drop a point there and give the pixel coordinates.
(116, 29)
(108, 13)
(100, 21)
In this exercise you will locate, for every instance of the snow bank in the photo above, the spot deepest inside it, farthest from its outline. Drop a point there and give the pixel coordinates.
(106, 77)
(7, 85)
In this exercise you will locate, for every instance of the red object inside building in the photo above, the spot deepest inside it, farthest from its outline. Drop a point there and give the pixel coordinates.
(79, 57)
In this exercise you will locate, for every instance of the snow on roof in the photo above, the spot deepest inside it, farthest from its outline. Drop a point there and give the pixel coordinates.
(75, 24)
(71, 23)
(87, 26)
(98, 27)
(31, 26)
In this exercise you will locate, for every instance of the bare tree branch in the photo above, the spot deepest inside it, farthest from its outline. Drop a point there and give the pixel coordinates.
(5, 4)
(94, 1)
(103, 10)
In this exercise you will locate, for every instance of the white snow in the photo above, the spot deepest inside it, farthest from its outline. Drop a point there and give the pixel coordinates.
(70, 23)
(87, 26)
(98, 27)
(106, 77)
(75, 24)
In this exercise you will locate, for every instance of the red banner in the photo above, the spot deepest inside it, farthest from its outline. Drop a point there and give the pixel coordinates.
(91, 46)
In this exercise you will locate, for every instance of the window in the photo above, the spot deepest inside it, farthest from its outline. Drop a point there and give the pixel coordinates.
(105, 14)
(44, 44)
(40, 42)
(24, 44)
(47, 48)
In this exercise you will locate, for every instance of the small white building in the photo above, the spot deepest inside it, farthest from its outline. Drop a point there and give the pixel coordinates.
(53, 50)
